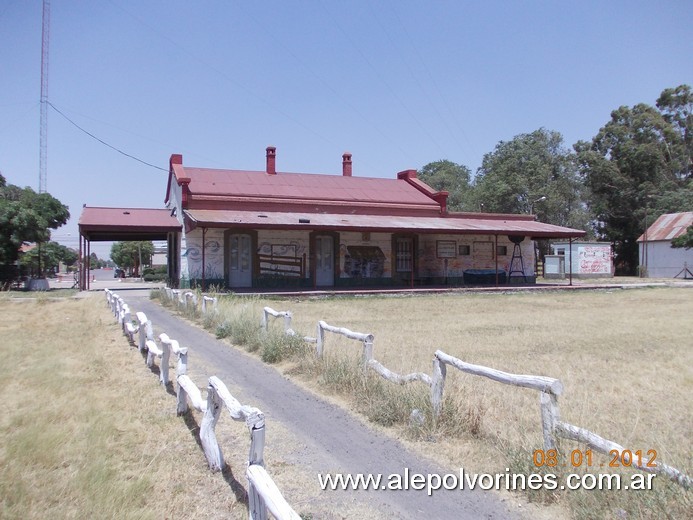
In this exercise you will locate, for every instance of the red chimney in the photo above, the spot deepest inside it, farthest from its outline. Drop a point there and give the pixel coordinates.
(346, 164)
(271, 160)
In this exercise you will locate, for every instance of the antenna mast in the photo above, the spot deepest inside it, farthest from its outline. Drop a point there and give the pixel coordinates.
(45, 39)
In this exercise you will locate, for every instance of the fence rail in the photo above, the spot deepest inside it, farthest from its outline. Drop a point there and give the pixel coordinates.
(263, 493)
(549, 390)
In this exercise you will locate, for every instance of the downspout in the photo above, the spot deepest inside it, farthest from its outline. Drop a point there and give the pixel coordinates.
(495, 255)
(204, 232)
(88, 264)
(570, 261)
(80, 267)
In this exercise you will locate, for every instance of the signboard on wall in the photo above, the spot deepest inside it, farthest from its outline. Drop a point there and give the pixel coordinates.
(446, 249)
(594, 259)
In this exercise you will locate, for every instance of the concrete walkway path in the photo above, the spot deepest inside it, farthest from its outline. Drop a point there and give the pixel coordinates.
(334, 440)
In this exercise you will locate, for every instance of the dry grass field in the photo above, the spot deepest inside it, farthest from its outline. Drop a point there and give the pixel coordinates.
(85, 429)
(625, 358)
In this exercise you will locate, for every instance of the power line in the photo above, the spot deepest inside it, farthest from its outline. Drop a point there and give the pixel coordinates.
(104, 142)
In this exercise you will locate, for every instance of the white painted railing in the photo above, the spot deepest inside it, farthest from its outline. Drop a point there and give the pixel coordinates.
(365, 339)
(146, 331)
(206, 300)
(263, 494)
(549, 389)
(286, 315)
(190, 298)
(553, 428)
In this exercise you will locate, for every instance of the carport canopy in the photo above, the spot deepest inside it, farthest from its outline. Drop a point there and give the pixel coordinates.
(125, 224)
(97, 224)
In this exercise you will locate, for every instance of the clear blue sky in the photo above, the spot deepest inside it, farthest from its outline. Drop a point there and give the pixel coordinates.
(397, 84)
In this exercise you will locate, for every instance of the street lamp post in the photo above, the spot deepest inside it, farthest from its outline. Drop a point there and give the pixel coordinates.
(531, 205)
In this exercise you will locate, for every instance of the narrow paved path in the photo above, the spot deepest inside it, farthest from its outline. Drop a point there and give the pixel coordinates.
(335, 440)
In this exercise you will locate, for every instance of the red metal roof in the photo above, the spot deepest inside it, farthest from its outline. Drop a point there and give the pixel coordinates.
(668, 227)
(118, 223)
(303, 187)
(471, 224)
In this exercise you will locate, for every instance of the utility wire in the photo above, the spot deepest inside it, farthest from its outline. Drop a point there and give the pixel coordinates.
(104, 142)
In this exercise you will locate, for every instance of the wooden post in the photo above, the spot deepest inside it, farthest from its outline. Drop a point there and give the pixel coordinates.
(146, 331)
(163, 369)
(367, 354)
(264, 321)
(257, 445)
(210, 446)
(438, 385)
(181, 400)
(320, 340)
(550, 415)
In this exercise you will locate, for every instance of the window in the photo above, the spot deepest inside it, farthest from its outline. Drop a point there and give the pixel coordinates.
(464, 250)
(501, 250)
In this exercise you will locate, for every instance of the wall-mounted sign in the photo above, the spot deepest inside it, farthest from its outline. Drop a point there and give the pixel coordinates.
(446, 248)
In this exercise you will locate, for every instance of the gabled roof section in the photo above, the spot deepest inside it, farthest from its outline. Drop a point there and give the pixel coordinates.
(668, 227)
(218, 188)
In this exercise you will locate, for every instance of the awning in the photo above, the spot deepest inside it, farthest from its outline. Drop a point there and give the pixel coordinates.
(471, 224)
(123, 224)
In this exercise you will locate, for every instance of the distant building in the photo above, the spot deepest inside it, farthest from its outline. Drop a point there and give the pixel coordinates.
(589, 260)
(657, 258)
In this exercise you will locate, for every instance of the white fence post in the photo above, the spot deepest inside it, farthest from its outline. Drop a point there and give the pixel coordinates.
(438, 385)
(145, 330)
(365, 339)
(320, 337)
(550, 415)
(206, 299)
(263, 495)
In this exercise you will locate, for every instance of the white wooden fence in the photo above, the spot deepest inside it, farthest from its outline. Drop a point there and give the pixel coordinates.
(549, 389)
(268, 312)
(263, 494)
(189, 300)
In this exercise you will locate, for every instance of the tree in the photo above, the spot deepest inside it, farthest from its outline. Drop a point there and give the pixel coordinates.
(127, 255)
(26, 216)
(676, 106)
(454, 178)
(52, 254)
(637, 167)
(684, 240)
(518, 174)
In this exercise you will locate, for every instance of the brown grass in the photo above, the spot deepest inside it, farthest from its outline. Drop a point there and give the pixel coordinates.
(85, 429)
(625, 358)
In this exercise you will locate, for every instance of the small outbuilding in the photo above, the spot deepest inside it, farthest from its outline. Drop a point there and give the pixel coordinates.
(657, 258)
(581, 259)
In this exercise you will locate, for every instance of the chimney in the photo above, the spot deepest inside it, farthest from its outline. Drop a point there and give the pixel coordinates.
(271, 160)
(346, 164)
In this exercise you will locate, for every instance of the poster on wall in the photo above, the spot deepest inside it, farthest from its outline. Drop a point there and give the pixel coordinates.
(594, 259)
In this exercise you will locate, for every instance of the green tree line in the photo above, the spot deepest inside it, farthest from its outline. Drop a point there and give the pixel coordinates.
(637, 167)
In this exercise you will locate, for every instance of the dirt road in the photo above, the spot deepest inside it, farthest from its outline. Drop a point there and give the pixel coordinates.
(321, 437)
